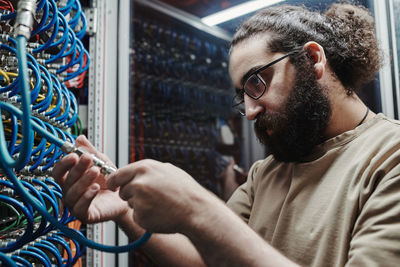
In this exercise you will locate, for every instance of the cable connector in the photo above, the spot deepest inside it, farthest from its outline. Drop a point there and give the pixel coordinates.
(4, 243)
(105, 169)
(24, 20)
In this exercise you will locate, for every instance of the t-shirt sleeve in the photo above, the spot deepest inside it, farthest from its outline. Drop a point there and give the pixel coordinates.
(376, 234)
(242, 199)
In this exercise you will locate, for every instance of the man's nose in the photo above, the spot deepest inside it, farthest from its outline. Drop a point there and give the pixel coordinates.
(252, 107)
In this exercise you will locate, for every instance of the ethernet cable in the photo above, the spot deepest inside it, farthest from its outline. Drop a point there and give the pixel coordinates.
(35, 255)
(53, 251)
(7, 163)
(21, 260)
(29, 228)
(78, 10)
(7, 260)
(78, 249)
(38, 206)
(45, 16)
(67, 8)
(41, 253)
(60, 241)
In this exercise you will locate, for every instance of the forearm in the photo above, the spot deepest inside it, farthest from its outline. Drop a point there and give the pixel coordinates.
(223, 239)
(163, 249)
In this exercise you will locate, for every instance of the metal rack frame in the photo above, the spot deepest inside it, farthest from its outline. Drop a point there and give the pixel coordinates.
(388, 76)
(102, 110)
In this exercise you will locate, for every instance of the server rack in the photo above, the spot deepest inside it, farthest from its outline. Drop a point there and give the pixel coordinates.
(155, 114)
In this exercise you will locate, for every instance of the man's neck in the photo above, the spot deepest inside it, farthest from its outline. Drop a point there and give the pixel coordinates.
(347, 113)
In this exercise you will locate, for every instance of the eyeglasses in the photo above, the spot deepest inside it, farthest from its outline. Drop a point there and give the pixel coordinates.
(254, 85)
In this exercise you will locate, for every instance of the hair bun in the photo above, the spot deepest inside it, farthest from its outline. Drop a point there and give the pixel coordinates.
(355, 33)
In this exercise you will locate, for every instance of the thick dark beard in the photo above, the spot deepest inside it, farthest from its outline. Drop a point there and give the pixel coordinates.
(301, 126)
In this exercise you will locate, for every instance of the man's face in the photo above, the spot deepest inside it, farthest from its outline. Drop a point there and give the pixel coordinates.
(301, 125)
(292, 115)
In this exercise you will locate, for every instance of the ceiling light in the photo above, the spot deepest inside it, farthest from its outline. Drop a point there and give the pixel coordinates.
(237, 11)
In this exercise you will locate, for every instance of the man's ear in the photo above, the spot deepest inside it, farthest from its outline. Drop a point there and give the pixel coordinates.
(317, 55)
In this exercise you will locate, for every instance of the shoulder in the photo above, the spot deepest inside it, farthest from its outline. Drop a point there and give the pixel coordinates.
(384, 125)
(380, 135)
(376, 154)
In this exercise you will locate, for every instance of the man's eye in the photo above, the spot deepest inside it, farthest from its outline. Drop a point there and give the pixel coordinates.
(256, 81)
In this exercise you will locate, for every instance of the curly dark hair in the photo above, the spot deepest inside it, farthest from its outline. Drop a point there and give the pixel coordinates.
(345, 31)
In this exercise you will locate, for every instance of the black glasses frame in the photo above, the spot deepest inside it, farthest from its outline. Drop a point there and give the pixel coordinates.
(248, 76)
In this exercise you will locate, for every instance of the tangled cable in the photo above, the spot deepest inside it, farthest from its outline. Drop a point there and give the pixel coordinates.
(38, 112)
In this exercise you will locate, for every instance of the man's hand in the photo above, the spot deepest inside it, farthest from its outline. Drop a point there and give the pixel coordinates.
(165, 198)
(85, 193)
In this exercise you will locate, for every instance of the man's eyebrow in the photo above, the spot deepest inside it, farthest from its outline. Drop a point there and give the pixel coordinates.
(249, 73)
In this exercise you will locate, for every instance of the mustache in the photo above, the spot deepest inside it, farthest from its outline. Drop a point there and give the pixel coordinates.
(270, 120)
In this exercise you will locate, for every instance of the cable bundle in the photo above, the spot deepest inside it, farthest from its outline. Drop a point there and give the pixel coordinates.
(38, 112)
(55, 56)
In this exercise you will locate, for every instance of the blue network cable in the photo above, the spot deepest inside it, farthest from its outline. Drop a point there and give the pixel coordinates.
(27, 141)
(41, 253)
(63, 40)
(48, 243)
(78, 10)
(49, 196)
(43, 223)
(14, 129)
(41, 149)
(21, 260)
(82, 32)
(69, 232)
(4, 259)
(67, 98)
(54, 22)
(74, 115)
(45, 103)
(29, 228)
(35, 255)
(65, 10)
(45, 16)
(56, 109)
(78, 252)
(57, 239)
(7, 163)
(53, 251)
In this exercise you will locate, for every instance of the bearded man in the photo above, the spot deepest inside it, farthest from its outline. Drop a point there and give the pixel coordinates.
(329, 193)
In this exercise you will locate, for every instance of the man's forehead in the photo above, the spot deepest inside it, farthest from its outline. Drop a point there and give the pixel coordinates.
(246, 55)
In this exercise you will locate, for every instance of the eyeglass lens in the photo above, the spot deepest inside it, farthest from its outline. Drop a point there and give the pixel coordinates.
(254, 86)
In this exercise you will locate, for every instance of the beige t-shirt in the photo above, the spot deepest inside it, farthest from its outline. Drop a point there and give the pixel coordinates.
(340, 207)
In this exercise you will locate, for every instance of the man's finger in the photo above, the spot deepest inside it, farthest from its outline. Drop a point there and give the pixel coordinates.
(125, 174)
(63, 166)
(78, 188)
(77, 171)
(82, 205)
